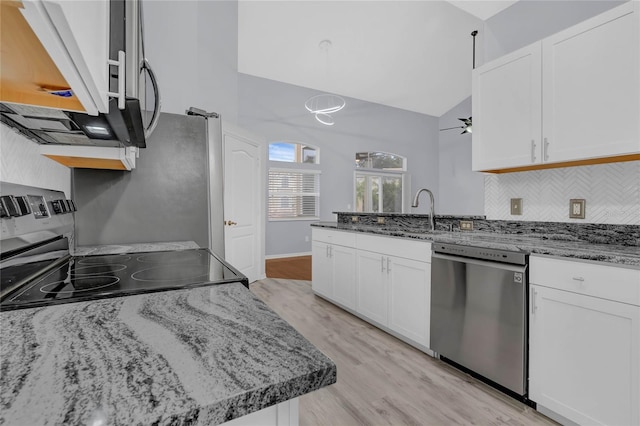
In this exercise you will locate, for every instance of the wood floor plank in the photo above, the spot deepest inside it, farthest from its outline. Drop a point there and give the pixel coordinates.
(295, 268)
(382, 380)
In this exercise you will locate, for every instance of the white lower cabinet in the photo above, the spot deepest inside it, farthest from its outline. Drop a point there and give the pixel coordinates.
(282, 414)
(333, 267)
(321, 269)
(410, 298)
(584, 342)
(372, 299)
(383, 280)
(344, 275)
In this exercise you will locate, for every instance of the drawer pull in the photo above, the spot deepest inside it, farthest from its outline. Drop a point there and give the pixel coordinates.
(578, 279)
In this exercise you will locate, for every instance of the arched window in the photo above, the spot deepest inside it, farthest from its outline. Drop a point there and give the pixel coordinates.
(379, 182)
(294, 190)
(293, 152)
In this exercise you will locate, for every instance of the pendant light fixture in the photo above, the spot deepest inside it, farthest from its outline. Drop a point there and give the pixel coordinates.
(325, 104)
(467, 126)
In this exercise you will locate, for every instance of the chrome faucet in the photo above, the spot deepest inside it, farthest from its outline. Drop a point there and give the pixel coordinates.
(432, 220)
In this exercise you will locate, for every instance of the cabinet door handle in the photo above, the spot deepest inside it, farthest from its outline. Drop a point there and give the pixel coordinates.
(156, 97)
(532, 302)
(330, 251)
(388, 265)
(326, 254)
(545, 149)
(381, 263)
(533, 151)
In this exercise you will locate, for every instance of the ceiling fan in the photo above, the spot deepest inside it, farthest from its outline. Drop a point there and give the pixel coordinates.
(467, 126)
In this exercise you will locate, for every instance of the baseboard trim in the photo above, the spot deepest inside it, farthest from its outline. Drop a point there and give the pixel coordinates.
(282, 256)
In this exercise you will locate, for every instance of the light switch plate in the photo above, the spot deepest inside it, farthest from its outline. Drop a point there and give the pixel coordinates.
(577, 208)
(516, 206)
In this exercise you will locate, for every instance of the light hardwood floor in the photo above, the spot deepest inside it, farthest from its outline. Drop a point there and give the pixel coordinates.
(382, 380)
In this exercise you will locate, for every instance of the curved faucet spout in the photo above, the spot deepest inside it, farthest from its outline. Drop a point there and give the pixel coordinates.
(432, 220)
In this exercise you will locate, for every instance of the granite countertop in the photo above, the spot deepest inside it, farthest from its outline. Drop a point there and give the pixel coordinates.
(200, 356)
(624, 256)
(133, 248)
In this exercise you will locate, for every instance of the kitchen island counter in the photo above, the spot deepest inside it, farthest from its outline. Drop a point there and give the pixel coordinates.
(547, 244)
(195, 356)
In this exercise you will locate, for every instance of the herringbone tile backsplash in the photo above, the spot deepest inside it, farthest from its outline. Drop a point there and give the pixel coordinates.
(611, 191)
(22, 163)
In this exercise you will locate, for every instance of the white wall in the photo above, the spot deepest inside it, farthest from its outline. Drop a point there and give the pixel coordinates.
(461, 190)
(21, 163)
(276, 111)
(193, 48)
(528, 21)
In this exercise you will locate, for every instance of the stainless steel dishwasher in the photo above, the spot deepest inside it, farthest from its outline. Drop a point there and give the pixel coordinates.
(478, 313)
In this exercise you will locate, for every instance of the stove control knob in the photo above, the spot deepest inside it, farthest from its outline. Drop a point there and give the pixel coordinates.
(10, 205)
(57, 206)
(23, 205)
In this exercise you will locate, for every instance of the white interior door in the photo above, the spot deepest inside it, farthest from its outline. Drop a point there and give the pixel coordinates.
(244, 188)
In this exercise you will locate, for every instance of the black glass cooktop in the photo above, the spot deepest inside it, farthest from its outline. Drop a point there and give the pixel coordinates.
(95, 277)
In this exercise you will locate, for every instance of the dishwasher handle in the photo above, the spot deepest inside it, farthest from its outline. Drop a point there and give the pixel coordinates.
(488, 264)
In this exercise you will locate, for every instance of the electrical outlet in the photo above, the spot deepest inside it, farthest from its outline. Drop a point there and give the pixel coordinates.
(306, 238)
(354, 219)
(516, 206)
(466, 225)
(577, 208)
(380, 220)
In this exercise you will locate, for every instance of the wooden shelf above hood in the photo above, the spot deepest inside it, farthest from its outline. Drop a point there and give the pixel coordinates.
(26, 69)
(86, 157)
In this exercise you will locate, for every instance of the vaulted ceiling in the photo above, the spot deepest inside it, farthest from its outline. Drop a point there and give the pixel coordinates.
(413, 55)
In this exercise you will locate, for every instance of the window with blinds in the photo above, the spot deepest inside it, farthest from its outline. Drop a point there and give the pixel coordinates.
(294, 194)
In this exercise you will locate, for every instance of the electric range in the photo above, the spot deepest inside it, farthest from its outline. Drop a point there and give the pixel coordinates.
(36, 268)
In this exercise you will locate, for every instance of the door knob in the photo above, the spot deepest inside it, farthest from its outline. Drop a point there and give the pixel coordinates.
(230, 222)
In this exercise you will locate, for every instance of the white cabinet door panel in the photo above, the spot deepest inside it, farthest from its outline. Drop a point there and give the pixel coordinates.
(410, 298)
(592, 87)
(507, 99)
(321, 269)
(585, 357)
(372, 286)
(344, 275)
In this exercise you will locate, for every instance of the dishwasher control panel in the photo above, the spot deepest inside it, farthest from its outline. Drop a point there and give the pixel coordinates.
(496, 255)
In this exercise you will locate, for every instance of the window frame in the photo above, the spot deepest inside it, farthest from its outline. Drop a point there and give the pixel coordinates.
(299, 170)
(301, 146)
(381, 174)
(404, 162)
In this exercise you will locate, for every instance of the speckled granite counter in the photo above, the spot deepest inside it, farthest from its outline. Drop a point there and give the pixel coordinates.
(133, 248)
(624, 256)
(200, 356)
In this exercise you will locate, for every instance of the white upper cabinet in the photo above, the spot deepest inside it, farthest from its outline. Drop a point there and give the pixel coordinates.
(507, 101)
(57, 45)
(591, 87)
(573, 97)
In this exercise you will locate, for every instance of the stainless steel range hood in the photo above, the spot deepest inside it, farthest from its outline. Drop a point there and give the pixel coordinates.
(119, 128)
